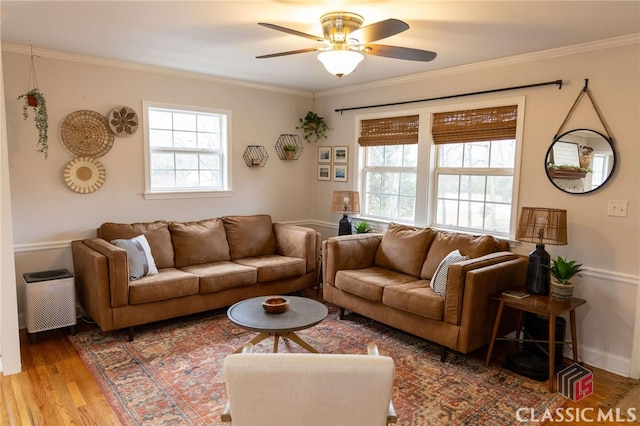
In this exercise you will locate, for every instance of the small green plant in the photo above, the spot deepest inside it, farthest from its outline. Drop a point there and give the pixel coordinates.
(289, 147)
(35, 99)
(362, 228)
(564, 270)
(313, 126)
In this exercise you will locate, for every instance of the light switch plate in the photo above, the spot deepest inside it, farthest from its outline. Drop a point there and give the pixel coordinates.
(618, 208)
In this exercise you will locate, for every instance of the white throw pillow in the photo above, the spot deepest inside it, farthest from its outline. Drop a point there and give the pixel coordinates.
(139, 256)
(439, 280)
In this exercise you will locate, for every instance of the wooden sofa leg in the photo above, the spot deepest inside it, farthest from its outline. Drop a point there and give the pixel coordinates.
(341, 313)
(443, 354)
(131, 331)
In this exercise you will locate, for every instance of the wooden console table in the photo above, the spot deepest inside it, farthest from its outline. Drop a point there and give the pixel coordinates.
(540, 305)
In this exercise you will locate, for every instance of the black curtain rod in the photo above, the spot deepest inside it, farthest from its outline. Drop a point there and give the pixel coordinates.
(526, 86)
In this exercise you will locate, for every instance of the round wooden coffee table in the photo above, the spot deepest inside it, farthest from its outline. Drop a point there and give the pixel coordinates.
(302, 313)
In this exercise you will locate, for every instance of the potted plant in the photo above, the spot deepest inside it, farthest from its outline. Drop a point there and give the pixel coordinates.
(562, 270)
(35, 99)
(362, 228)
(289, 151)
(312, 125)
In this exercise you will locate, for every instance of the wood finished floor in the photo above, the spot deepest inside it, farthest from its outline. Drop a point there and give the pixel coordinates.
(55, 387)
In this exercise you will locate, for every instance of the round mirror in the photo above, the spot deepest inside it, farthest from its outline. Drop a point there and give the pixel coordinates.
(580, 161)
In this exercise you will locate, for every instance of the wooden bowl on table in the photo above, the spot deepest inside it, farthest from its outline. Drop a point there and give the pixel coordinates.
(275, 304)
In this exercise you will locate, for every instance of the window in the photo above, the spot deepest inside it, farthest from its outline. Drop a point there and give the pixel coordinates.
(465, 180)
(475, 162)
(390, 167)
(187, 150)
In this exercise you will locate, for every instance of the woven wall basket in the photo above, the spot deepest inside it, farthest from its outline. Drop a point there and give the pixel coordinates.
(86, 134)
(84, 175)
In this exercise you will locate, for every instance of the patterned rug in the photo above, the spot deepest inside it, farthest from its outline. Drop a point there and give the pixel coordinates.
(172, 372)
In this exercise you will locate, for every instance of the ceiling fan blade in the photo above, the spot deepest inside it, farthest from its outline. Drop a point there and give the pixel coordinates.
(290, 31)
(290, 52)
(380, 30)
(396, 52)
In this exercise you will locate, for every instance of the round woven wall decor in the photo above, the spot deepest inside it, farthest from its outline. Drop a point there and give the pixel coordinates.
(84, 174)
(123, 121)
(86, 134)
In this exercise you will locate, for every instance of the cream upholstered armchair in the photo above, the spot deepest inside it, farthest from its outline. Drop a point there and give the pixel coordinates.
(309, 389)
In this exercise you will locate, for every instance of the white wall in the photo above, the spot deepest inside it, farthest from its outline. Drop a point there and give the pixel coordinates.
(608, 246)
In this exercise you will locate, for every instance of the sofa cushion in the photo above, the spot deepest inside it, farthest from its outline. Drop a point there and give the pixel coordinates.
(369, 282)
(139, 258)
(224, 275)
(199, 242)
(439, 280)
(157, 234)
(275, 267)
(415, 297)
(446, 242)
(169, 283)
(249, 236)
(403, 248)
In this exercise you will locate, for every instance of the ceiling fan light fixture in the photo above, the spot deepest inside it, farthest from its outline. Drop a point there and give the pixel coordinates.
(340, 62)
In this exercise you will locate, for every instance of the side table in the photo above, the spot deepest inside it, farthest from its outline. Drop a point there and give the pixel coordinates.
(540, 305)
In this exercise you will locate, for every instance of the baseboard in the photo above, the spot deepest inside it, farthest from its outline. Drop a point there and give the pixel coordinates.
(605, 361)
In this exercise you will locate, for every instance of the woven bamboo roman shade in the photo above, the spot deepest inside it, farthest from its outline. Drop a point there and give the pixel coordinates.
(389, 131)
(485, 124)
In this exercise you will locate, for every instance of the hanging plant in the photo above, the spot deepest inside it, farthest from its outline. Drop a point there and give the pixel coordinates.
(313, 126)
(34, 98)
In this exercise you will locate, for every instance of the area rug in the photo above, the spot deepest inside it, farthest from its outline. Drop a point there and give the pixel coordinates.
(172, 372)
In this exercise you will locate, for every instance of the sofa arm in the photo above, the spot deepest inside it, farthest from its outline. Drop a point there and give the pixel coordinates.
(117, 269)
(492, 273)
(348, 252)
(298, 241)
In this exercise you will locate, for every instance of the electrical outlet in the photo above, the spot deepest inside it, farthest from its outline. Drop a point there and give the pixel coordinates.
(618, 208)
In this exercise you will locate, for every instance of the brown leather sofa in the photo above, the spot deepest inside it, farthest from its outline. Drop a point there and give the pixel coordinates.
(201, 266)
(387, 277)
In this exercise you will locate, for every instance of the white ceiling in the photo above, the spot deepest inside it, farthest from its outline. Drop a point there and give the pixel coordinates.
(222, 38)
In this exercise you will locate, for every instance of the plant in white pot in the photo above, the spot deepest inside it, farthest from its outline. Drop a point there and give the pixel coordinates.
(562, 270)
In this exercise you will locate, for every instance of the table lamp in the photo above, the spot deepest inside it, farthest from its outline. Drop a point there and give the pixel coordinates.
(345, 202)
(541, 226)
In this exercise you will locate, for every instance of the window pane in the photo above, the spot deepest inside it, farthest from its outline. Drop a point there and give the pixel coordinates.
(499, 188)
(187, 178)
(184, 139)
(393, 155)
(187, 161)
(410, 155)
(450, 155)
(163, 179)
(476, 154)
(390, 183)
(471, 215)
(160, 138)
(375, 156)
(389, 206)
(374, 182)
(184, 122)
(209, 141)
(498, 217)
(373, 204)
(472, 187)
(503, 153)
(408, 184)
(407, 208)
(447, 212)
(208, 123)
(448, 186)
(162, 161)
(160, 119)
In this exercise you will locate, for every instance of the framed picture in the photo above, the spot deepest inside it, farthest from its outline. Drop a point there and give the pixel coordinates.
(324, 172)
(340, 173)
(565, 154)
(324, 154)
(341, 154)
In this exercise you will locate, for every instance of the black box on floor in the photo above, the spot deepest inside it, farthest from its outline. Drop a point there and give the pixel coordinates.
(532, 361)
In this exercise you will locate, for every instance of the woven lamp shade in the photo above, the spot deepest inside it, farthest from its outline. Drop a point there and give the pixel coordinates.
(352, 204)
(542, 226)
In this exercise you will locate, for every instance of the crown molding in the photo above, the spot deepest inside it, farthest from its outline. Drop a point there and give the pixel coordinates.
(494, 63)
(130, 66)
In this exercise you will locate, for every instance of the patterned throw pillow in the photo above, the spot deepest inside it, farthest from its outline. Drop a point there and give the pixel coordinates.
(139, 256)
(439, 281)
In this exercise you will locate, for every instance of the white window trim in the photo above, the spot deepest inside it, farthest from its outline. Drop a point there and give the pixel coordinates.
(425, 205)
(173, 194)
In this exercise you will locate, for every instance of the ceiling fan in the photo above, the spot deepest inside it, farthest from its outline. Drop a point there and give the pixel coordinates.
(345, 40)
